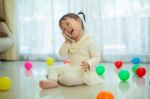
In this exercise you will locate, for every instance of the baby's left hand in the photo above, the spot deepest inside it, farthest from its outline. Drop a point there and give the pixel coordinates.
(85, 66)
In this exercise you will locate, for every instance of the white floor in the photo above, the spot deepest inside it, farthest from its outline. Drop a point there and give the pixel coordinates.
(25, 84)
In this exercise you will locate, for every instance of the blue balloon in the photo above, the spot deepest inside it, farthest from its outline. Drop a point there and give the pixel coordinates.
(136, 60)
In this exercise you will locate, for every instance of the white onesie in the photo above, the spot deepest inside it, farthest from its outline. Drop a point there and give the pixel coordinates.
(72, 74)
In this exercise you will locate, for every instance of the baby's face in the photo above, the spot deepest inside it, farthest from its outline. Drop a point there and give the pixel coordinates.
(71, 27)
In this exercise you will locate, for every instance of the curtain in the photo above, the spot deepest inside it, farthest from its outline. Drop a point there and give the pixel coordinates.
(8, 13)
(119, 27)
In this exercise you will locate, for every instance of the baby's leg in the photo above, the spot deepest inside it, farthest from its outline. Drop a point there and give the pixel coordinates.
(70, 79)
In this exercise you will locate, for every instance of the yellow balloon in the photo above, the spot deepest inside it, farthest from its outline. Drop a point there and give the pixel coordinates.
(5, 83)
(50, 61)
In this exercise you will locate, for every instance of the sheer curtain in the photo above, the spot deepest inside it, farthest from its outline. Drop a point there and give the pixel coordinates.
(121, 28)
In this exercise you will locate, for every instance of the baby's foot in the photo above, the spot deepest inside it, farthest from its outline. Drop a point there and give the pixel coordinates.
(46, 84)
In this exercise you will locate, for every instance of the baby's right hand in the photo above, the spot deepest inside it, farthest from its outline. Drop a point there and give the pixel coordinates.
(68, 38)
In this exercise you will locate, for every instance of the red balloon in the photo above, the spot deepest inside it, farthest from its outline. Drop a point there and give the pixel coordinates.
(118, 63)
(141, 71)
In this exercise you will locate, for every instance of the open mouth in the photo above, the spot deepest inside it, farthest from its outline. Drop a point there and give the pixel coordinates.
(71, 32)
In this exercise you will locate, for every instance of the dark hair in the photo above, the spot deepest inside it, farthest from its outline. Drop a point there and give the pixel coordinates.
(74, 16)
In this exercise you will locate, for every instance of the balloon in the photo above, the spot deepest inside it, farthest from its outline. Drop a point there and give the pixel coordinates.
(66, 61)
(118, 64)
(104, 95)
(28, 65)
(134, 67)
(5, 83)
(50, 61)
(141, 71)
(100, 69)
(124, 75)
(136, 60)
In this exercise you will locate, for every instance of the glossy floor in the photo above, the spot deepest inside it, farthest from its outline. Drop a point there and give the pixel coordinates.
(25, 84)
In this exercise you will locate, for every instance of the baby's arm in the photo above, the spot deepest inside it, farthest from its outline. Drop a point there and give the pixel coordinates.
(94, 53)
(64, 50)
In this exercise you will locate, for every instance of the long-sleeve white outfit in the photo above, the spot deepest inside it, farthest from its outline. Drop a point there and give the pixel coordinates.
(72, 74)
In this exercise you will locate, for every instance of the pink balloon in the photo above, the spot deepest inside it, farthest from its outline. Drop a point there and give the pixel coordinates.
(66, 61)
(28, 65)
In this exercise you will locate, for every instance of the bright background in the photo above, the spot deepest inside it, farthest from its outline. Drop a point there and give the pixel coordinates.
(121, 28)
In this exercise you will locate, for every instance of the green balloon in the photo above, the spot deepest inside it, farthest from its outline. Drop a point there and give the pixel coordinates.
(100, 69)
(124, 75)
(134, 67)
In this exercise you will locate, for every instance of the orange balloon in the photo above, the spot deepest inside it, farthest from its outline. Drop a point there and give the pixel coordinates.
(105, 95)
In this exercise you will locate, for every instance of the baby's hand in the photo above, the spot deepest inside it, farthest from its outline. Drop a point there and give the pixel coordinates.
(68, 38)
(85, 66)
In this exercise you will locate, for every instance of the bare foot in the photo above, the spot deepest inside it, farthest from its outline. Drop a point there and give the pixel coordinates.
(46, 84)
